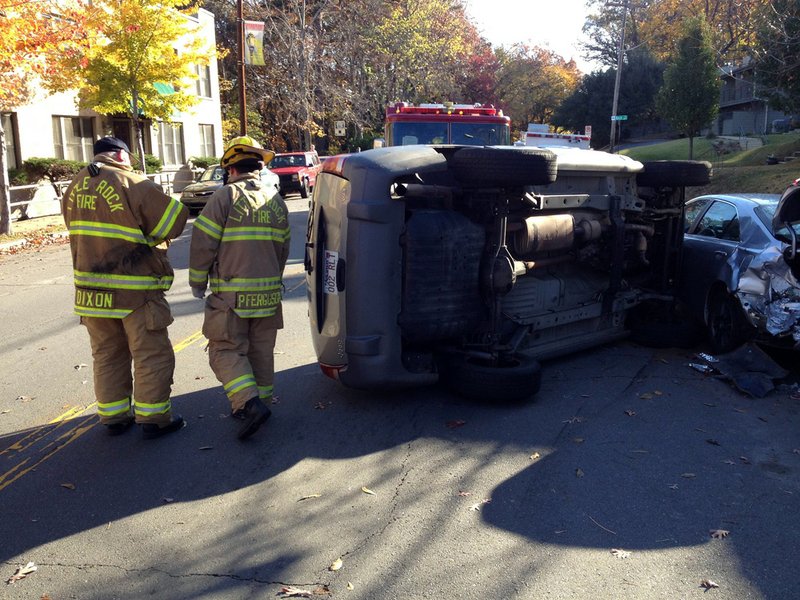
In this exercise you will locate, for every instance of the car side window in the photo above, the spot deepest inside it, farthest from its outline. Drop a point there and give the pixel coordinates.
(721, 221)
(693, 210)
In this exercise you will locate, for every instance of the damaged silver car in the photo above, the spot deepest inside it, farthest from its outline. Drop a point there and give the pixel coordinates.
(740, 267)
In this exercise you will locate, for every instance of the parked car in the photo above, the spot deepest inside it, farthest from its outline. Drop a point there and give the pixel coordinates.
(297, 171)
(469, 264)
(740, 267)
(195, 195)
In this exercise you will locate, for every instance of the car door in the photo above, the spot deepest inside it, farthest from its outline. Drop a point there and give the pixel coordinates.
(710, 251)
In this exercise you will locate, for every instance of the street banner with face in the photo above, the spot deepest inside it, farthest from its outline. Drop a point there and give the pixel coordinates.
(254, 43)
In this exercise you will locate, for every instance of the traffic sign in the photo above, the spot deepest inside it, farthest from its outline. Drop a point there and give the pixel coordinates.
(619, 118)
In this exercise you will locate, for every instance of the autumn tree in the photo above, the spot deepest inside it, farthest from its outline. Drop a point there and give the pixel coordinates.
(655, 24)
(532, 82)
(32, 35)
(139, 60)
(689, 98)
(777, 54)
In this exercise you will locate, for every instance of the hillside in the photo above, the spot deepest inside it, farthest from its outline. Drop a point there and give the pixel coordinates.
(736, 169)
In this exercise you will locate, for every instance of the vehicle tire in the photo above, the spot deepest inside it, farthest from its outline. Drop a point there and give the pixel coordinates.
(476, 166)
(304, 189)
(726, 322)
(511, 379)
(674, 173)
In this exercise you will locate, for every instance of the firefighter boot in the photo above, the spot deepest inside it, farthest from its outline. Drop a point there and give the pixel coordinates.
(151, 430)
(119, 428)
(254, 414)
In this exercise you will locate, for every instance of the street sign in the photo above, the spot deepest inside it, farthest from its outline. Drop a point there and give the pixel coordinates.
(338, 128)
(619, 118)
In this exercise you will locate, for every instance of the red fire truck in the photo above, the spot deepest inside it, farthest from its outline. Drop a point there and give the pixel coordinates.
(448, 123)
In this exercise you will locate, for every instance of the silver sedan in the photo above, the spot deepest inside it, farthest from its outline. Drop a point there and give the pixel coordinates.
(740, 268)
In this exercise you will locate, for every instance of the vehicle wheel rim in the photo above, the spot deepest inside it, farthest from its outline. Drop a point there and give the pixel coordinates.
(722, 324)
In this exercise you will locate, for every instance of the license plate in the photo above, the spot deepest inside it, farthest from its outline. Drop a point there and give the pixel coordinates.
(329, 283)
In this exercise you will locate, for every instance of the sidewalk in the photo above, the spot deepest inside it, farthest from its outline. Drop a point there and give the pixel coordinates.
(36, 232)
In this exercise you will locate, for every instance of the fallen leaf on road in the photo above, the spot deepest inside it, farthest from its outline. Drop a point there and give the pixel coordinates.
(745, 460)
(69, 486)
(796, 451)
(463, 493)
(455, 423)
(658, 393)
(574, 420)
(366, 490)
(620, 553)
(80, 366)
(709, 404)
(712, 442)
(479, 504)
(646, 396)
(577, 440)
(630, 413)
(309, 497)
(4, 412)
(535, 456)
(206, 448)
(708, 584)
(673, 486)
(290, 591)
(718, 534)
(350, 586)
(321, 405)
(729, 462)
(688, 475)
(24, 398)
(578, 473)
(22, 573)
(168, 500)
(337, 564)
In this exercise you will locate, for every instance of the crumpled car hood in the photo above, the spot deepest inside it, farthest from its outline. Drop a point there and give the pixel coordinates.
(203, 186)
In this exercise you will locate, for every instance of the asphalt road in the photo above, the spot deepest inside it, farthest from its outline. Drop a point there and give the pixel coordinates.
(420, 494)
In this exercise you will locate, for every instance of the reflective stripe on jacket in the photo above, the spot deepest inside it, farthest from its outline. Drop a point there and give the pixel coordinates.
(240, 245)
(118, 223)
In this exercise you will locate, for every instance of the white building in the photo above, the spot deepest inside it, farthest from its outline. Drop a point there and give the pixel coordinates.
(53, 126)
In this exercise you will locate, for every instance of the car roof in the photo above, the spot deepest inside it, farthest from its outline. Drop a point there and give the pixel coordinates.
(752, 198)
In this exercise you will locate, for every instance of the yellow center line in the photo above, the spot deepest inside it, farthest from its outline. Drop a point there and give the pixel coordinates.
(76, 428)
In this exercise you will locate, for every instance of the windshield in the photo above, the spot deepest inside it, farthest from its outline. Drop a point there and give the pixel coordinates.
(480, 134)
(405, 134)
(470, 134)
(212, 174)
(289, 160)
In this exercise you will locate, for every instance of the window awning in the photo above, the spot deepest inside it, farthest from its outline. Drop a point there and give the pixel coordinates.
(164, 89)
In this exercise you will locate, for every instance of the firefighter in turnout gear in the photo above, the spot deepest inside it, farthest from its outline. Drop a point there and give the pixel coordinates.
(119, 223)
(240, 244)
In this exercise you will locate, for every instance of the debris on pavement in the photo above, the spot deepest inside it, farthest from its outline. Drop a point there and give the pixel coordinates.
(750, 369)
(21, 573)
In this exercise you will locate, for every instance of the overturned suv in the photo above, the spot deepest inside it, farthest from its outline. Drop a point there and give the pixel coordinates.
(471, 264)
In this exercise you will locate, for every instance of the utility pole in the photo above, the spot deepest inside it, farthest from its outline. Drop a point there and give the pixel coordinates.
(620, 56)
(240, 64)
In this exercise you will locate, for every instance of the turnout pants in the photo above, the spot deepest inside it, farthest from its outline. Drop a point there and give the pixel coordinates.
(240, 352)
(141, 338)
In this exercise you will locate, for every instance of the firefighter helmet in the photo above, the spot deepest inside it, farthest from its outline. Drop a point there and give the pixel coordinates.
(244, 147)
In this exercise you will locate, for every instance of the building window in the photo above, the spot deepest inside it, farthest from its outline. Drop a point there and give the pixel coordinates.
(9, 126)
(73, 138)
(170, 143)
(203, 81)
(207, 147)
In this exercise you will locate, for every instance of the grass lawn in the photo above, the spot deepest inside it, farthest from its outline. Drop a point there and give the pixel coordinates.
(745, 170)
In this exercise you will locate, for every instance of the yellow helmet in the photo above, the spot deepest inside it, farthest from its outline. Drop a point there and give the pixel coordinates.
(243, 147)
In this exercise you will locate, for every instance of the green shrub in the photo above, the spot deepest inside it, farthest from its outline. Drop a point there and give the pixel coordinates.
(152, 163)
(52, 169)
(17, 177)
(203, 162)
